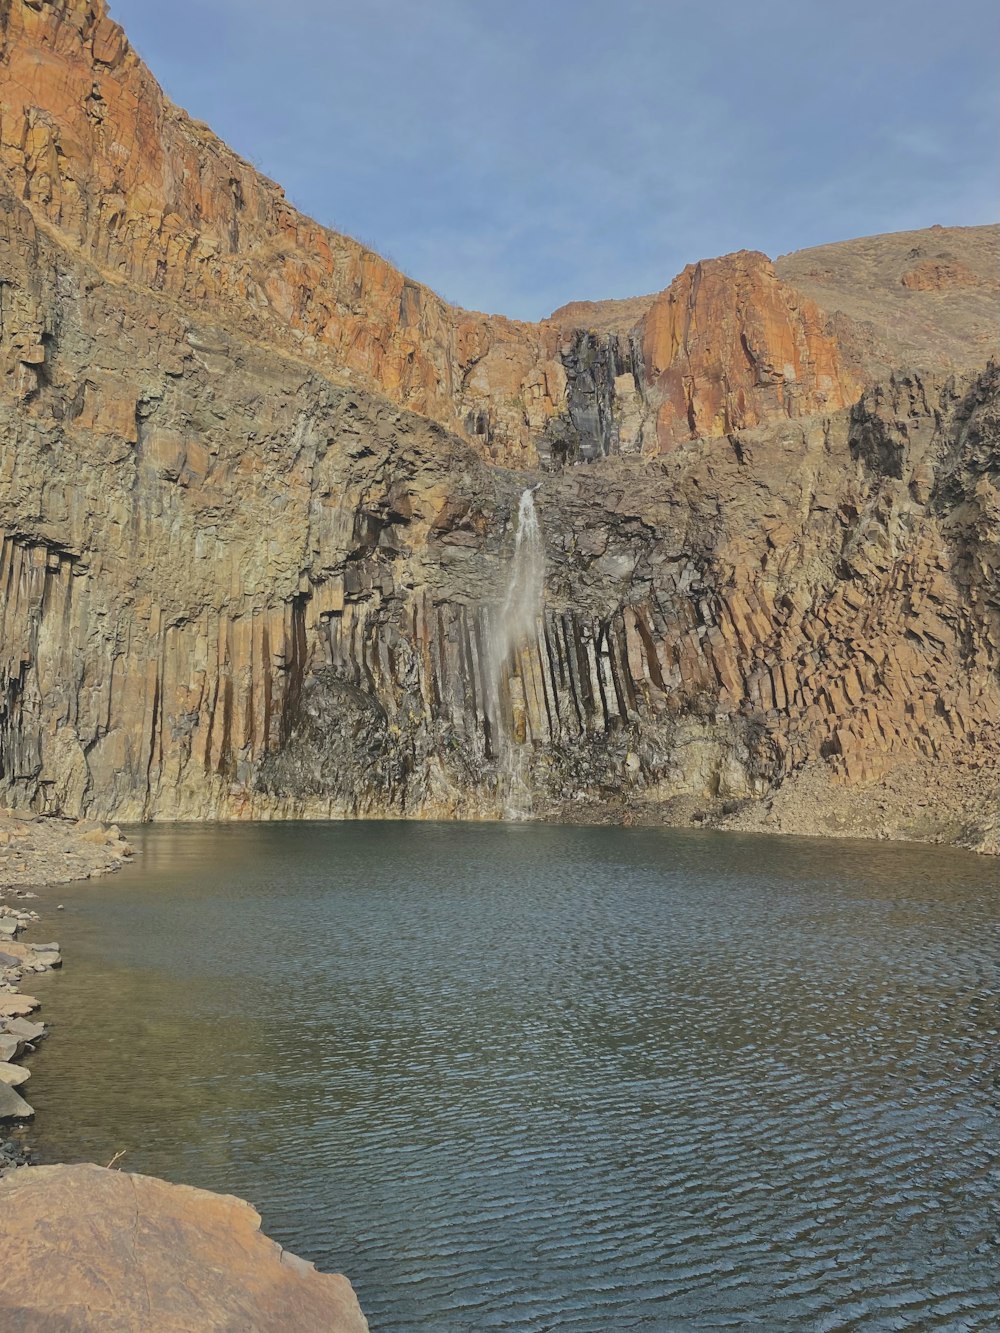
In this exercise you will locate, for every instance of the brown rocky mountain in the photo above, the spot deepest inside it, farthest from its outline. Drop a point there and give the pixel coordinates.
(872, 282)
(259, 494)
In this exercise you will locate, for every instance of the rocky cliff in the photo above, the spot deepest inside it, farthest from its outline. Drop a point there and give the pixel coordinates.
(259, 496)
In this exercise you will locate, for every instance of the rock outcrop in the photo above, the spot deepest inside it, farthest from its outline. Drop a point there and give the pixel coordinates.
(919, 299)
(100, 1251)
(258, 495)
(728, 346)
(36, 850)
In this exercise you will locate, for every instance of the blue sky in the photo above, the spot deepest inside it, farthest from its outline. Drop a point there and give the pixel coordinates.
(518, 155)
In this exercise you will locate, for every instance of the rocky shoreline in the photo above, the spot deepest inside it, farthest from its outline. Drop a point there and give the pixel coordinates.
(19, 1035)
(47, 850)
(114, 1246)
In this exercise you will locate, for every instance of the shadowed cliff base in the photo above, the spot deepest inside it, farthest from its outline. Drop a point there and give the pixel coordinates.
(258, 495)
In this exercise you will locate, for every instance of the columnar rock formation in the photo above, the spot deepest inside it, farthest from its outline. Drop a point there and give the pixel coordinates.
(257, 492)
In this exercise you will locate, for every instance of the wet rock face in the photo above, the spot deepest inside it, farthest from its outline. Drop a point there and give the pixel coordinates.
(258, 495)
(90, 1249)
(606, 408)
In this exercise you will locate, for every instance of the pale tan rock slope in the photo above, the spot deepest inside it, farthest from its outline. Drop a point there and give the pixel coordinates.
(257, 491)
(87, 1250)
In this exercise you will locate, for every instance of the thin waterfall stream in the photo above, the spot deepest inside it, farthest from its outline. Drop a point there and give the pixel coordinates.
(515, 624)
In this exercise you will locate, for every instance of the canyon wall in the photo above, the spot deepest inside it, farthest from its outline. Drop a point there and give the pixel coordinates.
(259, 491)
(153, 199)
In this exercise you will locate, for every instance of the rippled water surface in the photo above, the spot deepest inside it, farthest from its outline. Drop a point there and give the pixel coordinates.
(532, 1077)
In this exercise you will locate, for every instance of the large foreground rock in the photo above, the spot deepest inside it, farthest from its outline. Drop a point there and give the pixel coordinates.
(86, 1249)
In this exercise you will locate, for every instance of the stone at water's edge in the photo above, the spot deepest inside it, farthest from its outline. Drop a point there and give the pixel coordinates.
(97, 1251)
(12, 1104)
(24, 1030)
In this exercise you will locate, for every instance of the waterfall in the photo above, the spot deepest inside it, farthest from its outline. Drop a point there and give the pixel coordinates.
(523, 599)
(515, 624)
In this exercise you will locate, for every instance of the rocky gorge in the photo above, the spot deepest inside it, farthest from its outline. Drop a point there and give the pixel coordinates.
(259, 496)
(284, 535)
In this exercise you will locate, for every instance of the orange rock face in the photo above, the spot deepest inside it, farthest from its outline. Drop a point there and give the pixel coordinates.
(103, 159)
(90, 142)
(103, 1251)
(728, 346)
(940, 275)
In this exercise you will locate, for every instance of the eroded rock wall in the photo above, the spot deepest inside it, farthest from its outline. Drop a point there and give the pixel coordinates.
(232, 588)
(153, 199)
(258, 495)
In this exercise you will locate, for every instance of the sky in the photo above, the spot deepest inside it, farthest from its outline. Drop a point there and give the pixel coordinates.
(518, 154)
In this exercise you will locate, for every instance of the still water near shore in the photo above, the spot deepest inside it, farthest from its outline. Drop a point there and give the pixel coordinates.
(534, 1077)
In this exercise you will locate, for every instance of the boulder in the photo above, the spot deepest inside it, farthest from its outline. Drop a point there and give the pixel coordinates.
(13, 1075)
(43, 962)
(11, 1005)
(9, 1046)
(13, 1107)
(23, 1030)
(98, 1251)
